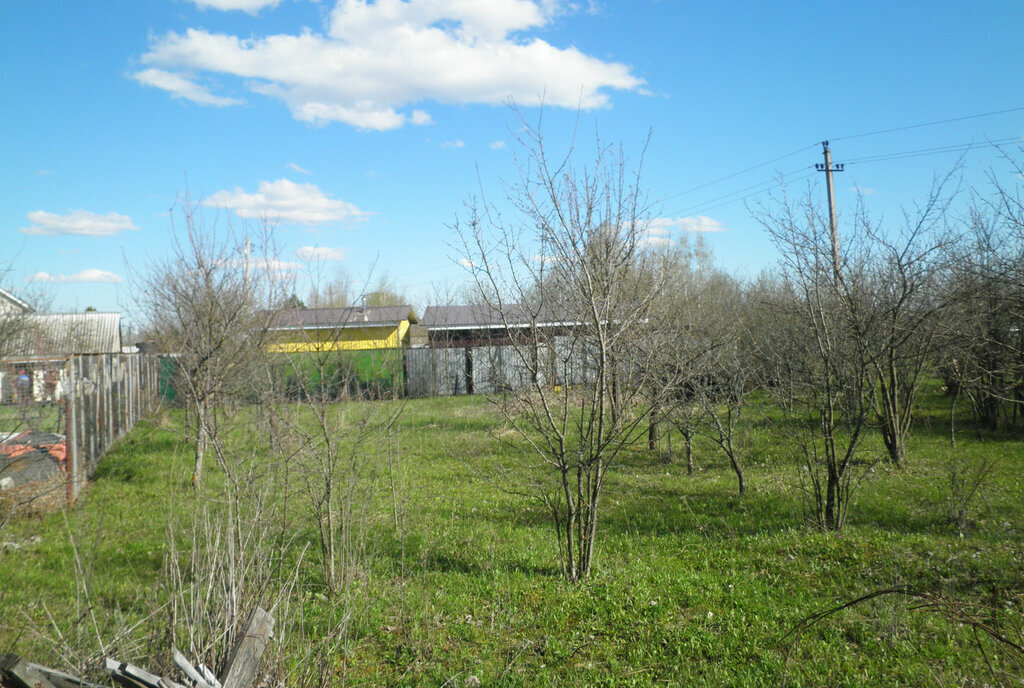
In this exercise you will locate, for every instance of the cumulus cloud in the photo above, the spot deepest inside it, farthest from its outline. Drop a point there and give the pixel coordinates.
(697, 223)
(375, 60)
(286, 201)
(180, 87)
(274, 265)
(90, 275)
(497, 145)
(652, 240)
(266, 264)
(250, 6)
(542, 259)
(467, 263)
(81, 222)
(457, 143)
(321, 253)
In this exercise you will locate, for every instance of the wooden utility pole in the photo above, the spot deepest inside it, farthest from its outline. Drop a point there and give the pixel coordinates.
(833, 229)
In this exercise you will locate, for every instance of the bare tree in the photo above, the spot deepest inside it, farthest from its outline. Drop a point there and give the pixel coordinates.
(834, 382)
(721, 387)
(336, 292)
(384, 292)
(681, 343)
(980, 359)
(210, 303)
(900, 290)
(336, 450)
(984, 334)
(864, 314)
(701, 355)
(573, 283)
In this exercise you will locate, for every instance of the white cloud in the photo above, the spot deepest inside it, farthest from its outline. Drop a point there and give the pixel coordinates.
(274, 265)
(661, 226)
(295, 168)
(81, 222)
(90, 275)
(863, 190)
(497, 145)
(250, 6)
(657, 240)
(697, 223)
(457, 143)
(376, 59)
(466, 263)
(286, 201)
(420, 118)
(321, 253)
(180, 87)
(268, 264)
(542, 259)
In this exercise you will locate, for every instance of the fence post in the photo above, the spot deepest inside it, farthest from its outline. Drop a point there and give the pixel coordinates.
(71, 411)
(69, 452)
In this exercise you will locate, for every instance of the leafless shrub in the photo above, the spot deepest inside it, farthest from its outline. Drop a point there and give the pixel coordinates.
(573, 283)
(968, 476)
(210, 304)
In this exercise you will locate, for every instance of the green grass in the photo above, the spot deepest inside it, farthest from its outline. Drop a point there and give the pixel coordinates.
(692, 584)
(47, 417)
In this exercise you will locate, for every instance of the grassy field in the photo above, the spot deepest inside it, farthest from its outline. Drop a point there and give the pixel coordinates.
(15, 418)
(693, 585)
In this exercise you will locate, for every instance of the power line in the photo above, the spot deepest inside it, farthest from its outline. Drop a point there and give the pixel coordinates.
(739, 194)
(928, 124)
(736, 174)
(742, 194)
(727, 198)
(952, 148)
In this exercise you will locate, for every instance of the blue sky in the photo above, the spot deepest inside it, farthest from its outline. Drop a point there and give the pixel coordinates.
(361, 128)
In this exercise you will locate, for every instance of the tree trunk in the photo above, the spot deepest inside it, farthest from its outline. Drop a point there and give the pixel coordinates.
(688, 441)
(652, 430)
(202, 438)
(738, 469)
(832, 498)
(894, 419)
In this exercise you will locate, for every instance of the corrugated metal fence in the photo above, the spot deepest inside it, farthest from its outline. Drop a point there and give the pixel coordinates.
(451, 371)
(420, 372)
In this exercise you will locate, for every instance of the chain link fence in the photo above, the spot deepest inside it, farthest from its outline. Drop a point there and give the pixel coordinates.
(59, 415)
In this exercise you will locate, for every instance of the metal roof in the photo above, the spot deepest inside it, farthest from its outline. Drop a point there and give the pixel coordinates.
(482, 316)
(9, 303)
(335, 318)
(38, 334)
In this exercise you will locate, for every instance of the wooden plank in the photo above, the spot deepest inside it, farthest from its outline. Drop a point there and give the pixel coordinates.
(20, 674)
(245, 658)
(189, 670)
(114, 668)
(131, 676)
(209, 676)
(60, 679)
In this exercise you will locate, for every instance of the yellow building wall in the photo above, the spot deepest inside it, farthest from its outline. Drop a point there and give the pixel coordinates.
(347, 339)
